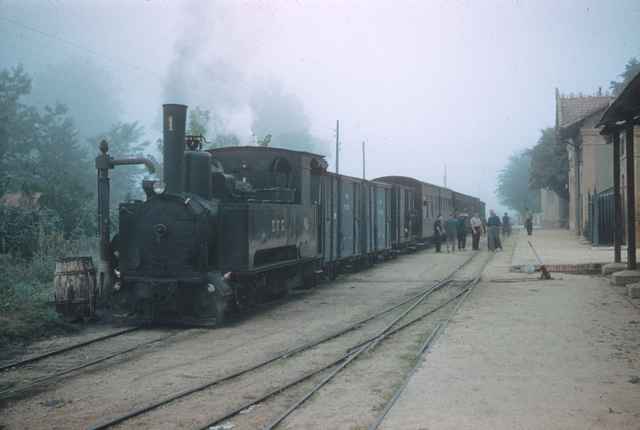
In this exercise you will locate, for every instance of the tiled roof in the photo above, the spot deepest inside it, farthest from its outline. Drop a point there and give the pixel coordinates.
(21, 200)
(573, 109)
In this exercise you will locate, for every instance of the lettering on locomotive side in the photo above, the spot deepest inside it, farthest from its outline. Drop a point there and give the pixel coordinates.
(277, 225)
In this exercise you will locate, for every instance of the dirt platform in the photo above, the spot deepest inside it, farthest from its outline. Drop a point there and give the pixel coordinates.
(529, 354)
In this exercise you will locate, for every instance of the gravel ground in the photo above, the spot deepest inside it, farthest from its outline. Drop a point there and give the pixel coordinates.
(561, 354)
(115, 387)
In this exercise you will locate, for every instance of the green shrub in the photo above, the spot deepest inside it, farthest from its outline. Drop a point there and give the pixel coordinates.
(26, 287)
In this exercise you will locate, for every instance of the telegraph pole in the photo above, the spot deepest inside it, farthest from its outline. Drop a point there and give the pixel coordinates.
(445, 176)
(337, 146)
(363, 162)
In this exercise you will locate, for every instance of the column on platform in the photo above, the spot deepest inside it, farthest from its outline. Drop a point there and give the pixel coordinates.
(631, 199)
(617, 206)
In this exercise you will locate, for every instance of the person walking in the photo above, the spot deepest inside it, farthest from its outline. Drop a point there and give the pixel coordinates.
(462, 231)
(506, 225)
(493, 232)
(528, 222)
(476, 231)
(438, 232)
(451, 228)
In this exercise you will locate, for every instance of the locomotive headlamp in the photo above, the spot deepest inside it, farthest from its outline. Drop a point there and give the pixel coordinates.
(159, 187)
(153, 187)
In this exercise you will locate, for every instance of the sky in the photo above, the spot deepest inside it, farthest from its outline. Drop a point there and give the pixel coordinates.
(425, 83)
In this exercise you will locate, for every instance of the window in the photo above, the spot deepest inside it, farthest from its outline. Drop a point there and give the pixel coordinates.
(281, 173)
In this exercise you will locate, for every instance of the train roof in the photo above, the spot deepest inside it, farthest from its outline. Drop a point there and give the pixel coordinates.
(407, 179)
(269, 149)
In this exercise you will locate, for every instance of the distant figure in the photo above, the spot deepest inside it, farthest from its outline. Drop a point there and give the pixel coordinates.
(438, 232)
(493, 232)
(476, 231)
(451, 227)
(506, 225)
(462, 231)
(528, 222)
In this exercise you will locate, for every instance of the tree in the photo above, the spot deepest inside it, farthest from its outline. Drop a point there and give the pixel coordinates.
(40, 153)
(265, 141)
(198, 121)
(124, 142)
(550, 164)
(14, 84)
(85, 87)
(281, 114)
(631, 69)
(227, 139)
(513, 184)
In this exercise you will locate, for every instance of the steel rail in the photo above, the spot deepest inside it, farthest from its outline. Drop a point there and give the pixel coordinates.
(30, 360)
(426, 345)
(12, 392)
(341, 359)
(367, 346)
(147, 408)
(144, 409)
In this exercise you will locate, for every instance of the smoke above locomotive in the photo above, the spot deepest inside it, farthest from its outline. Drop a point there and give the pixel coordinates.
(231, 227)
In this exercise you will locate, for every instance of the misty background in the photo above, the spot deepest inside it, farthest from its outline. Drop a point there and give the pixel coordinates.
(461, 83)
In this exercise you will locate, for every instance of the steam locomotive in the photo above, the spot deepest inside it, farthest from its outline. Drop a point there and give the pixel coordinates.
(234, 226)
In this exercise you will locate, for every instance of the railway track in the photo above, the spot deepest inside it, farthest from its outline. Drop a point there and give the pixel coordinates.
(425, 346)
(334, 368)
(367, 333)
(19, 378)
(20, 363)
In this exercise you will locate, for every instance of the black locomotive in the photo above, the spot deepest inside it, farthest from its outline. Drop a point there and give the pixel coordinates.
(233, 226)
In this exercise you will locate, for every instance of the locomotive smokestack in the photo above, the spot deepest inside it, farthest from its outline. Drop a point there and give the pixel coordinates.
(174, 119)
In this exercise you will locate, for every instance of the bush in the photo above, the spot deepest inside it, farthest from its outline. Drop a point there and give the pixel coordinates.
(26, 288)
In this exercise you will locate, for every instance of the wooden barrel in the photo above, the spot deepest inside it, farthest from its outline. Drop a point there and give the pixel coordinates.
(74, 284)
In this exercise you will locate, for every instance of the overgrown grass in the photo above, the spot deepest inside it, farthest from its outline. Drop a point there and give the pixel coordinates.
(27, 309)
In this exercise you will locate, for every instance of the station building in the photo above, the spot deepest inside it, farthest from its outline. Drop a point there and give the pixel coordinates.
(590, 167)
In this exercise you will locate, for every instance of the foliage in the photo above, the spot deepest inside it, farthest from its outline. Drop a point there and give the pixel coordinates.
(282, 115)
(227, 139)
(40, 153)
(265, 141)
(198, 121)
(631, 69)
(21, 229)
(85, 87)
(550, 164)
(513, 184)
(125, 140)
(26, 292)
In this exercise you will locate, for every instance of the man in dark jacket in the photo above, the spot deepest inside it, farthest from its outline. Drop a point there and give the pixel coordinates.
(493, 232)
(506, 225)
(462, 231)
(451, 228)
(438, 232)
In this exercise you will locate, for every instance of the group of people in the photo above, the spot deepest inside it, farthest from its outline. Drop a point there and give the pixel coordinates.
(453, 231)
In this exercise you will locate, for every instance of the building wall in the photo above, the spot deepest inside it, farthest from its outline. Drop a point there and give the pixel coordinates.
(554, 210)
(595, 173)
(597, 167)
(572, 188)
(623, 183)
